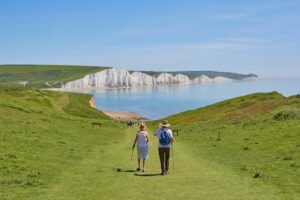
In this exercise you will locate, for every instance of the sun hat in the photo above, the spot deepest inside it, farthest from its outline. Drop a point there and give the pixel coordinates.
(164, 123)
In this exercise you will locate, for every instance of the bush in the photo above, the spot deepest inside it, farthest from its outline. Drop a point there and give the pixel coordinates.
(286, 115)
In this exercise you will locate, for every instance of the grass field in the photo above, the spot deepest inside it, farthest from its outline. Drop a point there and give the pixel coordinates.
(49, 150)
(43, 75)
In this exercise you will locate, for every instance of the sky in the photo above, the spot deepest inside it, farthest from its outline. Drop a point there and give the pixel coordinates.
(247, 36)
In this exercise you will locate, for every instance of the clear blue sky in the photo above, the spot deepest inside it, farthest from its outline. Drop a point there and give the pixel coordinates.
(259, 36)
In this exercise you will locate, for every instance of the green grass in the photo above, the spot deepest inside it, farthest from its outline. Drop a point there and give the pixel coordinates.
(49, 150)
(43, 75)
(258, 133)
(42, 135)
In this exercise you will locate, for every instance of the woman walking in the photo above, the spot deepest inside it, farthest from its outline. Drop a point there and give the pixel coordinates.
(142, 141)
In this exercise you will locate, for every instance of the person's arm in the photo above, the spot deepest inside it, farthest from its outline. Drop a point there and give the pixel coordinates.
(156, 133)
(172, 137)
(136, 137)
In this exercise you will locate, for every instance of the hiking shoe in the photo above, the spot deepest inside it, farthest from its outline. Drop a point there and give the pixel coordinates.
(138, 169)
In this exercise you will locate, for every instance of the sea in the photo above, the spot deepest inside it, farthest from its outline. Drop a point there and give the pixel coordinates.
(156, 102)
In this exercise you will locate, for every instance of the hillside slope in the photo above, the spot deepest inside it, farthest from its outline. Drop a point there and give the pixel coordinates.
(41, 134)
(257, 135)
(50, 150)
(43, 75)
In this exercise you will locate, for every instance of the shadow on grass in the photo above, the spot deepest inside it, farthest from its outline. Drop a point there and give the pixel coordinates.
(146, 175)
(128, 170)
(136, 173)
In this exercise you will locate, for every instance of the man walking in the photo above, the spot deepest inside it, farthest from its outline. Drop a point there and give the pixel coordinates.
(165, 141)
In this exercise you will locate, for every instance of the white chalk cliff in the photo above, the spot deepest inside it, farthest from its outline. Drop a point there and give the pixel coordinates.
(122, 78)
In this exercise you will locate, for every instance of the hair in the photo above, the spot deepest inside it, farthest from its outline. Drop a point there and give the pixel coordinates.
(142, 126)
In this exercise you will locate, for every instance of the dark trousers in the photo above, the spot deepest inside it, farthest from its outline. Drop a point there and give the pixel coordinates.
(164, 157)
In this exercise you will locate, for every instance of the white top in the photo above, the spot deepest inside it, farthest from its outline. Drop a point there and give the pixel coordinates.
(159, 132)
(142, 140)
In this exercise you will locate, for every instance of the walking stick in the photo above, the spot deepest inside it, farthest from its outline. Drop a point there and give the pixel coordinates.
(173, 158)
(132, 153)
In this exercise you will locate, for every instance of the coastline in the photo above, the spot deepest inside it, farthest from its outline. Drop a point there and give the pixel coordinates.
(92, 102)
(115, 115)
(120, 116)
(124, 116)
(105, 88)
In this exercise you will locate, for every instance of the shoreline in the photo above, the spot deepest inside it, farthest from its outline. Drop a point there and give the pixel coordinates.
(124, 116)
(105, 88)
(120, 116)
(115, 115)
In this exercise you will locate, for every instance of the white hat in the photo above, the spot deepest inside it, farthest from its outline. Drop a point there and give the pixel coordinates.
(164, 123)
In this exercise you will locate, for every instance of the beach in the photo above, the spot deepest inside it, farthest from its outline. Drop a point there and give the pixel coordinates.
(121, 116)
(124, 116)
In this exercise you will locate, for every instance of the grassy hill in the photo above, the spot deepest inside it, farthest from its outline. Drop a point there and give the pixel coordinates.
(42, 134)
(256, 136)
(243, 148)
(49, 150)
(43, 75)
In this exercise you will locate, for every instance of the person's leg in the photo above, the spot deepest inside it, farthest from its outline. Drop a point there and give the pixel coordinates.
(167, 152)
(139, 158)
(145, 157)
(139, 165)
(144, 165)
(162, 160)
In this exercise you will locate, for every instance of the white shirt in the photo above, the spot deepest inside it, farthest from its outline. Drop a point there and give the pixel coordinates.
(142, 140)
(159, 132)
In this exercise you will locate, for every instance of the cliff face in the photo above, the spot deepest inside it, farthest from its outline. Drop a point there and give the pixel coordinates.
(118, 78)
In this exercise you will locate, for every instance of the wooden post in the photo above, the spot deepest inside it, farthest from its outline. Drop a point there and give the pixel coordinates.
(219, 136)
(70, 99)
(176, 131)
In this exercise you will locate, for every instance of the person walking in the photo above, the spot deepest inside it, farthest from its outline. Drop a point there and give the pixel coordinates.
(142, 141)
(165, 141)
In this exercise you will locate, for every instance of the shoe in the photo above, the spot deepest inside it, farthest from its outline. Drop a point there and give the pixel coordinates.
(144, 170)
(167, 172)
(162, 173)
(138, 169)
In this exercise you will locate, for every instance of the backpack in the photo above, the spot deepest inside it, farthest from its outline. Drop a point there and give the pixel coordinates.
(165, 137)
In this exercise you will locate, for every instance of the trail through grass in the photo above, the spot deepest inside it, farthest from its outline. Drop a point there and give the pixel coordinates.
(49, 150)
(96, 177)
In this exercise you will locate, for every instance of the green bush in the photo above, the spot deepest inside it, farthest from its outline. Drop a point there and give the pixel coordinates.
(286, 115)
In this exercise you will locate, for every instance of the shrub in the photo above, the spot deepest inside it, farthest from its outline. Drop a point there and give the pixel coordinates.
(286, 115)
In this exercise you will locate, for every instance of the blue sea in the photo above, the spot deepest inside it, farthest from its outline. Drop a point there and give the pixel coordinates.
(160, 101)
